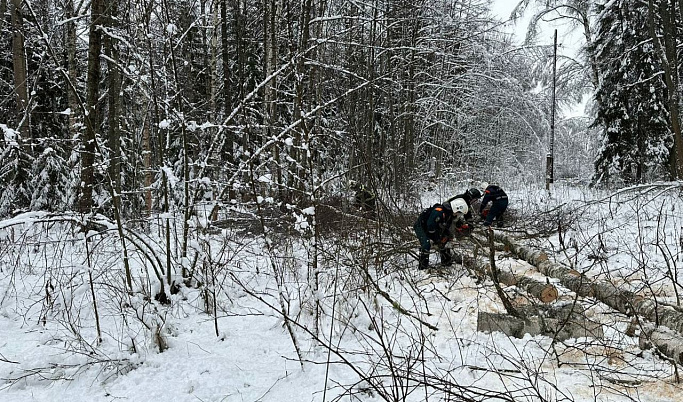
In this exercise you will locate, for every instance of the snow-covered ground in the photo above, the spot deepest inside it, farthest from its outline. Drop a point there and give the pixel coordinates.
(367, 325)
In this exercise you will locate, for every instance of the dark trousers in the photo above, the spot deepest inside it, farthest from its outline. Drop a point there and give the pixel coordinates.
(496, 211)
(426, 245)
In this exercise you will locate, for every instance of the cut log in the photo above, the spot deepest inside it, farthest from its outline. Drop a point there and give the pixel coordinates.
(544, 292)
(571, 319)
(622, 300)
(507, 324)
(667, 342)
(570, 278)
(577, 326)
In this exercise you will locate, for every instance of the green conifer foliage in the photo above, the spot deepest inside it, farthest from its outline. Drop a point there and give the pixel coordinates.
(631, 95)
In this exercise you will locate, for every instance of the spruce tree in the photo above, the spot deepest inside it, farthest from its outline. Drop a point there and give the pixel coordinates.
(15, 168)
(50, 182)
(632, 113)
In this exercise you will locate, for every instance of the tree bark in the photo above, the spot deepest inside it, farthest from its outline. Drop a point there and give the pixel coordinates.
(270, 43)
(668, 58)
(147, 163)
(92, 121)
(19, 64)
(588, 36)
(72, 67)
(208, 47)
(667, 342)
(569, 277)
(232, 91)
(114, 78)
(575, 326)
(624, 301)
(225, 58)
(162, 143)
(544, 292)
(298, 177)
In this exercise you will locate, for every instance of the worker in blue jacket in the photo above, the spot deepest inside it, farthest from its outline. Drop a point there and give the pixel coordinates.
(439, 224)
(433, 225)
(499, 203)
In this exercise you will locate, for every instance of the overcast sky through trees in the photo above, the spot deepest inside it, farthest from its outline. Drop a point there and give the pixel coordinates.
(569, 40)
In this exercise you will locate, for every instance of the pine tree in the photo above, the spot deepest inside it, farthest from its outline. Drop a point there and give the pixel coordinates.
(632, 113)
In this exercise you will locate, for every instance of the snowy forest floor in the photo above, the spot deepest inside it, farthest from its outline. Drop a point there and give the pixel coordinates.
(276, 313)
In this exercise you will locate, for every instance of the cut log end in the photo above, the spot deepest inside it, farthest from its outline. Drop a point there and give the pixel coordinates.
(548, 294)
(542, 257)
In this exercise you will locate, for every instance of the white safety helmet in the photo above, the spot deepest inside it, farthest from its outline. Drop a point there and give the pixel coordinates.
(459, 205)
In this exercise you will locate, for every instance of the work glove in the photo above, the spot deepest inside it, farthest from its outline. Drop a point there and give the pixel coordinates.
(464, 230)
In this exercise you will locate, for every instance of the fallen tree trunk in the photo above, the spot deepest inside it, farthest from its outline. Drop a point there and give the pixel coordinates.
(624, 301)
(570, 278)
(574, 326)
(544, 292)
(664, 340)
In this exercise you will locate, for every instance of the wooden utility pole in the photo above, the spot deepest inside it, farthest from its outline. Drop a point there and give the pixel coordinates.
(549, 176)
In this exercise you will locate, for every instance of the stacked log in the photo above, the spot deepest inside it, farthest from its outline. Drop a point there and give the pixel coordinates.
(627, 302)
(622, 300)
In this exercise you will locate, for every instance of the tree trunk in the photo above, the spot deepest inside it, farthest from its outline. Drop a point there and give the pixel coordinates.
(147, 163)
(668, 58)
(207, 56)
(19, 64)
(408, 147)
(270, 44)
(91, 120)
(560, 329)
(231, 92)
(213, 63)
(71, 65)
(236, 97)
(228, 91)
(624, 301)
(370, 149)
(316, 85)
(179, 103)
(162, 143)
(298, 176)
(114, 78)
(588, 37)
(544, 292)
(667, 342)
